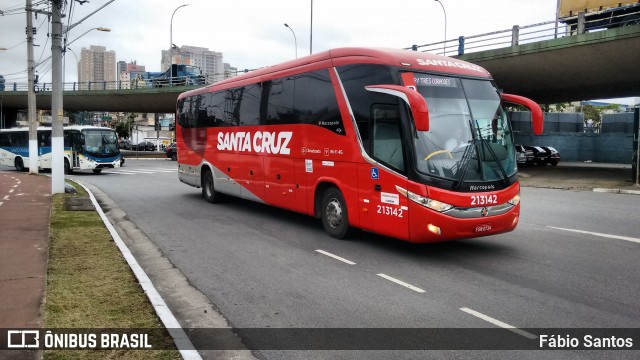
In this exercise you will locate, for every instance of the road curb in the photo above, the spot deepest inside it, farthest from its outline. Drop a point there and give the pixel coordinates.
(617, 191)
(180, 338)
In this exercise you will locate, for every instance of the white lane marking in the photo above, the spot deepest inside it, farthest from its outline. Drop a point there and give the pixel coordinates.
(399, 282)
(133, 171)
(335, 257)
(499, 323)
(618, 237)
(6, 197)
(15, 186)
(10, 191)
(1, 203)
(170, 322)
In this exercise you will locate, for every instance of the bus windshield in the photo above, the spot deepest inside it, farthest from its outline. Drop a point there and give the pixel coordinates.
(469, 137)
(100, 143)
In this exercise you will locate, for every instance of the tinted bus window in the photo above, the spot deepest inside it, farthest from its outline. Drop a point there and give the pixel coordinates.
(249, 109)
(280, 100)
(185, 118)
(315, 101)
(354, 79)
(210, 110)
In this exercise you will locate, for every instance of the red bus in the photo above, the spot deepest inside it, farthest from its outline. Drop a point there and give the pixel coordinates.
(401, 143)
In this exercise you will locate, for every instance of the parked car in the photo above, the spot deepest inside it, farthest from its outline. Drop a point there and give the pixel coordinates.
(145, 146)
(172, 151)
(524, 156)
(125, 144)
(540, 154)
(553, 155)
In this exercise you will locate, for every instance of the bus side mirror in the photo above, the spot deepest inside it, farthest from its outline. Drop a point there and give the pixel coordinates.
(416, 102)
(536, 111)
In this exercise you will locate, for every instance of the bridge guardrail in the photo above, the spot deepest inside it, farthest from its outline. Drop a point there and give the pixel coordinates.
(105, 85)
(519, 35)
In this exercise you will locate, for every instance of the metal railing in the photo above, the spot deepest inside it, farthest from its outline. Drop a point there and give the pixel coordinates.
(107, 85)
(519, 35)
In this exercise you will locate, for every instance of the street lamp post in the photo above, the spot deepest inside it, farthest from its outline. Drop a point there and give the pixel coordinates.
(295, 40)
(311, 31)
(444, 46)
(171, 44)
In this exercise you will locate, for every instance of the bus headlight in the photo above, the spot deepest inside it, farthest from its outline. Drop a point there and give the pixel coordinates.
(515, 200)
(436, 205)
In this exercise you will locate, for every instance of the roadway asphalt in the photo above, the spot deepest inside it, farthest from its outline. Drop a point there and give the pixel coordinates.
(24, 244)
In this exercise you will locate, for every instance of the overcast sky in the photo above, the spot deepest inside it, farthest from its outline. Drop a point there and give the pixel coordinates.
(251, 33)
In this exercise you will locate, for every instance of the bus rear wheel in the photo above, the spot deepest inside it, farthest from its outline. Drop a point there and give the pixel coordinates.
(208, 191)
(19, 164)
(333, 211)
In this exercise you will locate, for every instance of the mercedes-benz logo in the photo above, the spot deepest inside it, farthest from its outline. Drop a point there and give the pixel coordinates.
(484, 211)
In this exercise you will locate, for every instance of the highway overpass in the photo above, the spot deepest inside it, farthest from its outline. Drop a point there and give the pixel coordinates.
(595, 65)
(145, 100)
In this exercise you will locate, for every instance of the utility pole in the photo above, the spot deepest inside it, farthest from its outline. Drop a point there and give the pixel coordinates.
(31, 94)
(57, 137)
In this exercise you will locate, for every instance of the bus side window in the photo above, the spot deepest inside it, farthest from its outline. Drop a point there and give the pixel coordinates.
(387, 137)
(5, 139)
(44, 139)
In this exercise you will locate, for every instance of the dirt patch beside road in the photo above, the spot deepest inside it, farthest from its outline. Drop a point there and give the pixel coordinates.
(578, 176)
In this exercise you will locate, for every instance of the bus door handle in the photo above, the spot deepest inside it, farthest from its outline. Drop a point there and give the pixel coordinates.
(377, 187)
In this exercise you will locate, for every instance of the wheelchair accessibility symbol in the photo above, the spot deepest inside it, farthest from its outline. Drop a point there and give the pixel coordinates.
(374, 173)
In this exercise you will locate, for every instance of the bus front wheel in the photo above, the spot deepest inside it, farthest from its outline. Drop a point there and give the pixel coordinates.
(97, 171)
(335, 218)
(208, 191)
(67, 167)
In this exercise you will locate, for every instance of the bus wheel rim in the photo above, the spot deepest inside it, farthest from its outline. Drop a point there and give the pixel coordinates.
(334, 213)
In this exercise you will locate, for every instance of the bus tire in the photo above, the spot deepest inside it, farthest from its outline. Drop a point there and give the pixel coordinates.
(67, 167)
(97, 171)
(334, 214)
(19, 164)
(208, 191)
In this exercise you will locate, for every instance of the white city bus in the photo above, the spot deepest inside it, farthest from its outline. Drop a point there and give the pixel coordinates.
(85, 148)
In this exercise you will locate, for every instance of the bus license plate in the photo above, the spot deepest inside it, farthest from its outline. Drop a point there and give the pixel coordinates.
(483, 228)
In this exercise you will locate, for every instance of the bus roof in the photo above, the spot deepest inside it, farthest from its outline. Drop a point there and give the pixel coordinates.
(412, 60)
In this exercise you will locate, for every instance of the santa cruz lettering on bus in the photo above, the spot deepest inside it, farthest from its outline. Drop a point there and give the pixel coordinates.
(259, 142)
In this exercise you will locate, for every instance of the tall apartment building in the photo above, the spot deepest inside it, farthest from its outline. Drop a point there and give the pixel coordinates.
(97, 65)
(209, 62)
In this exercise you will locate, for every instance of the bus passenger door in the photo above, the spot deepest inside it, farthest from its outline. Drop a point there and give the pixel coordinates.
(383, 209)
(44, 149)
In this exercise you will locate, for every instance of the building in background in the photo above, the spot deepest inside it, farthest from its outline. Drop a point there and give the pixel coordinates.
(209, 62)
(127, 73)
(97, 68)
(230, 71)
(124, 66)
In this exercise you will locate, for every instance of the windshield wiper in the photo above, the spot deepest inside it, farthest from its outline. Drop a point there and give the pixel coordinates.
(485, 143)
(465, 163)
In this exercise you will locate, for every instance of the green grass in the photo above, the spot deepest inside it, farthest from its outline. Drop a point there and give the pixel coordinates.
(89, 285)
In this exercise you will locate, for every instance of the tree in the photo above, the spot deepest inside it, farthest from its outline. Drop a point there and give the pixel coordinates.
(123, 127)
(590, 113)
